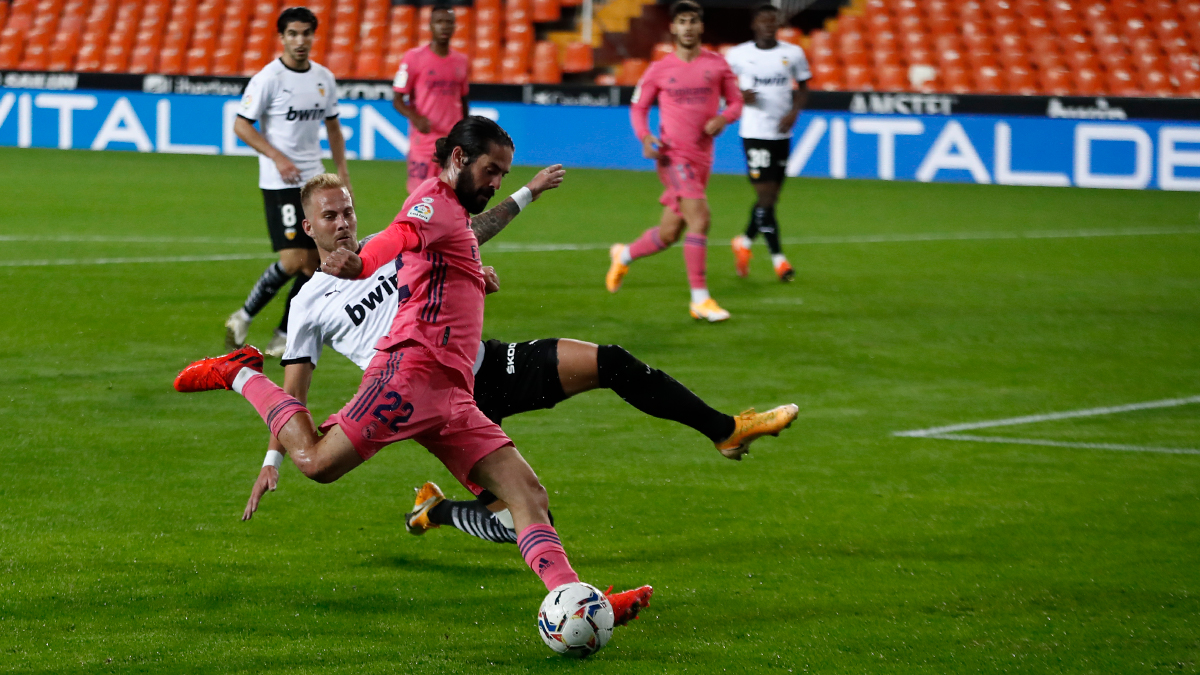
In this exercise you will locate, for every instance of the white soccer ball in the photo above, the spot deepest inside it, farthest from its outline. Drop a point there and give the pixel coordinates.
(575, 619)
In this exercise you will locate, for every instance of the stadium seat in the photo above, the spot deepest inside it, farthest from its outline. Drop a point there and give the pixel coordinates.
(578, 58)
(341, 62)
(631, 72)
(36, 57)
(1127, 9)
(989, 80)
(170, 60)
(547, 71)
(545, 11)
(424, 36)
(368, 65)
(487, 24)
(484, 68)
(1020, 80)
(789, 35)
(198, 61)
(1122, 82)
(956, 80)
(226, 62)
(511, 71)
(826, 77)
(971, 10)
(62, 57)
(1156, 83)
(859, 78)
(893, 77)
(1055, 81)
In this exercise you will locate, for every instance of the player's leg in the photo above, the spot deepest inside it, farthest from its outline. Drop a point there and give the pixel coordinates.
(768, 189)
(487, 519)
(742, 242)
(695, 256)
(654, 240)
(283, 216)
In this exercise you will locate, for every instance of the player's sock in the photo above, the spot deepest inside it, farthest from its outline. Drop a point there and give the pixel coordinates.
(273, 278)
(473, 518)
(648, 244)
(658, 394)
(695, 257)
(544, 554)
(301, 279)
(778, 259)
(770, 231)
(273, 404)
(758, 215)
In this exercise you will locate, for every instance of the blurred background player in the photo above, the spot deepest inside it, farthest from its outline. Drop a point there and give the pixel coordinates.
(289, 98)
(688, 86)
(772, 76)
(431, 91)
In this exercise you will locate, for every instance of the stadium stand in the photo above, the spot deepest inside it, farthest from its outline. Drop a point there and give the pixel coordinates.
(1052, 47)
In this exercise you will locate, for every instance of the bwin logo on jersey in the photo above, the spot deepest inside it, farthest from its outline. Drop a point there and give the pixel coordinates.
(304, 115)
(358, 311)
(777, 81)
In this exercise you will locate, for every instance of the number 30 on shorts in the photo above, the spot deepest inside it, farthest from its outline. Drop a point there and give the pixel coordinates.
(758, 158)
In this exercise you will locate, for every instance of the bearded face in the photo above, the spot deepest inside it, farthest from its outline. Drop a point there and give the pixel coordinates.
(471, 195)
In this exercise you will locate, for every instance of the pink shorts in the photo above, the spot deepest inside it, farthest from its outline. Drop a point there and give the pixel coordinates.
(405, 394)
(683, 179)
(420, 165)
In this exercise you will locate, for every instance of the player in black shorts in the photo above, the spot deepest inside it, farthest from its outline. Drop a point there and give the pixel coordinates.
(516, 377)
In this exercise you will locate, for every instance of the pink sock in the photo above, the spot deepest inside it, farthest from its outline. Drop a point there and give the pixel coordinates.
(647, 244)
(695, 256)
(544, 554)
(272, 403)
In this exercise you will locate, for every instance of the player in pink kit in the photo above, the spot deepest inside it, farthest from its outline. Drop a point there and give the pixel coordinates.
(688, 85)
(433, 79)
(419, 385)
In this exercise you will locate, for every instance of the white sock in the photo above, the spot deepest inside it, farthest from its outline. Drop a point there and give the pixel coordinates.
(243, 377)
(624, 257)
(699, 295)
(744, 241)
(243, 316)
(778, 259)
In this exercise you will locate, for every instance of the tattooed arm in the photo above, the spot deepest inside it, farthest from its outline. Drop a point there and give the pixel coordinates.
(489, 223)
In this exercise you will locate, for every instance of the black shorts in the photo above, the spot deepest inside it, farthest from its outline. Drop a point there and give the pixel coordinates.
(766, 161)
(284, 217)
(517, 377)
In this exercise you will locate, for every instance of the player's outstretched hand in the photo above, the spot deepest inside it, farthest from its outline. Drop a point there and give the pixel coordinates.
(491, 281)
(651, 146)
(546, 179)
(287, 170)
(342, 263)
(715, 126)
(268, 479)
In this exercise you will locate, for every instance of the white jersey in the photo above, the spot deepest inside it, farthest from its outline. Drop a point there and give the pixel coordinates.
(349, 315)
(771, 74)
(290, 107)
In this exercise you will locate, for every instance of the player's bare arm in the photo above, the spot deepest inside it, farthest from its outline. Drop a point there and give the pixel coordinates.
(297, 379)
(410, 111)
(799, 100)
(488, 224)
(715, 126)
(245, 130)
(337, 148)
(651, 147)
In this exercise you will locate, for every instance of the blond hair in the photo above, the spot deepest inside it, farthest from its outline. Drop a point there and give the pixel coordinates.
(324, 181)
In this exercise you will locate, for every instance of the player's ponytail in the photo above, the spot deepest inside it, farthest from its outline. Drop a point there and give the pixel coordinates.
(475, 135)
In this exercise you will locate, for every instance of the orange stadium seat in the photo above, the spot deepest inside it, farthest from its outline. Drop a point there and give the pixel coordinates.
(893, 77)
(1021, 80)
(632, 71)
(858, 78)
(546, 11)
(226, 62)
(789, 35)
(144, 59)
(578, 58)
(487, 24)
(1122, 82)
(36, 57)
(369, 65)
(989, 80)
(341, 62)
(1088, 81)
(1156, 83)
(198, 61)
(484, 68)
(1055, 81)
(826, 77)
(545, 64)
(424, 36)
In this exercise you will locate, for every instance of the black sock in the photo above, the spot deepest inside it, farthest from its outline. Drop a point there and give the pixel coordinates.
(301, 279)
(473, 518)
(658, 394)
(272, 279)
(770, 230)
(758, 216)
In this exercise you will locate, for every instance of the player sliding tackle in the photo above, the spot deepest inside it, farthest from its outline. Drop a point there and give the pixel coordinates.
(351, 316)
(418, 385)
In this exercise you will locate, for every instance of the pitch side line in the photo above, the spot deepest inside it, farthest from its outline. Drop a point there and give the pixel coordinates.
(537, 247)
(1032, 419)
(1064, 444)
(126, 261)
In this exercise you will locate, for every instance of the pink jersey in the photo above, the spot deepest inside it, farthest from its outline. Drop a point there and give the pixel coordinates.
(435, 86)
(438, 276)
(688, 94)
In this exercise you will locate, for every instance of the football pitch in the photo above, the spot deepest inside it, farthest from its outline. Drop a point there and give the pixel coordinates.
(1047, 543)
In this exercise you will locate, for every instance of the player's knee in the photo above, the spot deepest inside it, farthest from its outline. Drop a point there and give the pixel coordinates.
(612, 361)
(670, 236)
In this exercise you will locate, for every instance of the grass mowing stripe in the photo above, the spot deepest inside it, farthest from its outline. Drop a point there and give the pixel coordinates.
(1063, 444)
(124, 261)
(1047, 417)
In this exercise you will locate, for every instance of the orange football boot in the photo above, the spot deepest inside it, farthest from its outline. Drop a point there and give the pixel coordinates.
(785, 272)
(218, 372)
(616, 270)
(417, 521)
(751, 425)
(627, 604)
(741, 256)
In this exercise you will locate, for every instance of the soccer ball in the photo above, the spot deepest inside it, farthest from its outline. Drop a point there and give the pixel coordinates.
(575, 619)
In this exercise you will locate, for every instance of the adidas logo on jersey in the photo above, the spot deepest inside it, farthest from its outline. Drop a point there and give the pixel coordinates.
(305, 115)
(358, 311)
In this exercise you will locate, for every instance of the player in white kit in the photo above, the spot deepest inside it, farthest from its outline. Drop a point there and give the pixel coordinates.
(772, 76)
(290, 99)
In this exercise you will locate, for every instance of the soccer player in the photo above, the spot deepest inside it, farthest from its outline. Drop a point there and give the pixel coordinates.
(290, 98)
(688, 86)
(418, 383)
(431, 91)
(351, 315)
(773, 76)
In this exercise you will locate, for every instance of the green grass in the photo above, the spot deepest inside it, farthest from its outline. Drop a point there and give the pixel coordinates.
(836, 548)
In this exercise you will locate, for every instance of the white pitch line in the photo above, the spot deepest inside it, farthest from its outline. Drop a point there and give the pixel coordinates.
(126, 261)
(1031, 419)
(1064, 444)
(540, 247)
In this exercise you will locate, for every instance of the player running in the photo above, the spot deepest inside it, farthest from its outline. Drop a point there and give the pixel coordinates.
(351, 315)
(290, 98)
(418, 383)
(773, 77)
(688, 86)
(433, 79)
